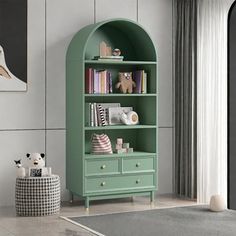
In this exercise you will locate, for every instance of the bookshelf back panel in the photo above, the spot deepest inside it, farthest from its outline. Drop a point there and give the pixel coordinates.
(114, 69)
(146, 107)
(129, 38)
(140, 139)
(113, 38)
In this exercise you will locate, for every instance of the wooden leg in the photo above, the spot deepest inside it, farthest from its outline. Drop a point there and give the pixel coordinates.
(152, 196)
(87, 203)
(71, 197)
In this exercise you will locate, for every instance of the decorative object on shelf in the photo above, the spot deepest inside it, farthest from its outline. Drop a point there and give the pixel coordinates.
(126, 83)
(106, 53)
(122, 147)
(20, 170)
(104, 49)
(114, 114)
(100, 144)
(35, 166)
(116, 52)
(217, 203)
(130, 118)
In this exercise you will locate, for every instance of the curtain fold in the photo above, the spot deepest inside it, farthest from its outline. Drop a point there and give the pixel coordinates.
(212, 98)
(185, 98)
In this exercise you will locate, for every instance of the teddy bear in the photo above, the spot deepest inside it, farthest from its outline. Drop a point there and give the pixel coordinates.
(126, 83)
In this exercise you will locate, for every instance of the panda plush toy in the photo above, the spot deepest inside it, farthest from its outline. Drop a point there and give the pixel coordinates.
(35, 165)
(35, 160)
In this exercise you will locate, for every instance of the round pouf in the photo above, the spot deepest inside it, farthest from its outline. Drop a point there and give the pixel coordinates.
(217, 203)
(37, 196)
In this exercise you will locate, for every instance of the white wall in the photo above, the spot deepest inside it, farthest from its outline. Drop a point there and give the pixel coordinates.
(35, 120)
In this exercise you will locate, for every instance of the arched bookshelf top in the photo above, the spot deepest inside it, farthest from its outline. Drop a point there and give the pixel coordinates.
(133, 41)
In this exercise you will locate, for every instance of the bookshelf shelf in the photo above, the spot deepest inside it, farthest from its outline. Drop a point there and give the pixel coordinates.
(115, 155)
(121, 95)
(126, 127)
(125, 174)
(119, 63)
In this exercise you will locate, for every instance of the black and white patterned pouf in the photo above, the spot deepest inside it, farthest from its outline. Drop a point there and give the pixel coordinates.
(37, 196)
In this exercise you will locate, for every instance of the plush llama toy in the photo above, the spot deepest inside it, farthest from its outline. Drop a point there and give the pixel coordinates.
(20, 171)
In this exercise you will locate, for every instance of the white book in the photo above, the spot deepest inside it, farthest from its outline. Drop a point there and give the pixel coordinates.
(95, 114)
(91, 114)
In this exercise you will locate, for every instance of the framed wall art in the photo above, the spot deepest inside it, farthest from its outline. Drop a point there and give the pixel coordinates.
(13, 45)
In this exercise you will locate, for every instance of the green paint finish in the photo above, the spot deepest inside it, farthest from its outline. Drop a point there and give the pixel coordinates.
(138, 164)
(119, 63)
(115, 183)
(114, 175)
(99, 167)
(116, 155)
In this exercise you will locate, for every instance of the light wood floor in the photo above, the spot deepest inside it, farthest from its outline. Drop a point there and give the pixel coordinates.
(11, 225)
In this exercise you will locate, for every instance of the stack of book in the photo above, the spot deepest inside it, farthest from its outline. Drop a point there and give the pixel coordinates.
(98, 81)
(109, 58)
(102, 114)
(96, 114)
(140, 78)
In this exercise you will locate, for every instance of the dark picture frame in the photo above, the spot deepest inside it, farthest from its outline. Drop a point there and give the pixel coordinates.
(13, 42)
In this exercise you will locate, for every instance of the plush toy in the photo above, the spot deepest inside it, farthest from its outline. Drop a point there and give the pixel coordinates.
(35, 165)
(35, 160)
(126, 83)
(20, 171)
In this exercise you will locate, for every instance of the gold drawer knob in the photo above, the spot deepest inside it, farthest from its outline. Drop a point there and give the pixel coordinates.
(137, 181)
(138, 164)
(103, 183)
(103, 167)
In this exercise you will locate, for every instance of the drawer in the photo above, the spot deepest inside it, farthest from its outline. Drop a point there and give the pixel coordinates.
(138, 164)
(99, 167)
(116, 183)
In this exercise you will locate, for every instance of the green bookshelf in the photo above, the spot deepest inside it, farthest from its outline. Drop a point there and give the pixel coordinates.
(93, 177)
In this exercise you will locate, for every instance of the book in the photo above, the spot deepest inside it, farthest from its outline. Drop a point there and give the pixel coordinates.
(91, 114)
(103, 78)
(87, 113)
(144, 82)
(101, 115)
(96, 88)
(118, 58)
(110, 83)
(88, 80)
(95, 114)
(137, 77)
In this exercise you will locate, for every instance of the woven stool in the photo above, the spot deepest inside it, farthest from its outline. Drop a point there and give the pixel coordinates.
(37, 196)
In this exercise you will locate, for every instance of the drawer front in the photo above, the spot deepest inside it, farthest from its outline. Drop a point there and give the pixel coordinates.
(116, 183)
(98, 167)
(138, 164)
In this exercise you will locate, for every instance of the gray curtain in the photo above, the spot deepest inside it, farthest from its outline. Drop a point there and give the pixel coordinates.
(185, 25)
